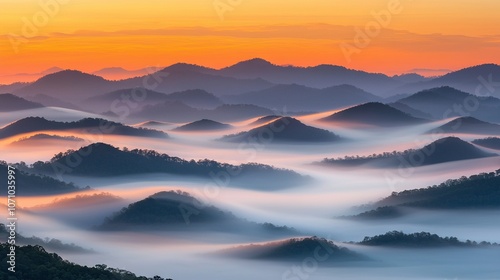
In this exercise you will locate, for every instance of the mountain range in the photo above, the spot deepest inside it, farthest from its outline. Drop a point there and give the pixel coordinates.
(253, 76)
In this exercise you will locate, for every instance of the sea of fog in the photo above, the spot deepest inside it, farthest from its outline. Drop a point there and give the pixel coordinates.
(313, 208)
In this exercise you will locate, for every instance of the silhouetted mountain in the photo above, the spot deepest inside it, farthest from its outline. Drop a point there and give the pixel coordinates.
(490, 142)
(284, 129)
(187, 67)
(468, 125)
(468, 79)
(10, 102)
(203, 125)
(177, 210)
(301, 98)
(176, 111)
(295, 249)
(480, 191)
(374, 113)
(410, 111)
(12, 87)
(320, 76)
(35, 184)
(88, 125)
(36, 263)
(443, 150)
(445, 102)
(417, 240)
(103, 160)
(68, 85)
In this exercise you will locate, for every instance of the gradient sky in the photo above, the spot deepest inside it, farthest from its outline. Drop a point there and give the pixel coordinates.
(89, 34)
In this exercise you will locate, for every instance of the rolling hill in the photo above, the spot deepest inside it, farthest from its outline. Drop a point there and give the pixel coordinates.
(10, 102)
(68, 85)
(295, 249)
(103, 160)
(468, 125)
(36, 263)
(87, 125)
(440, 151)
(445, 102)
(203, 125)
(374, 113)
(179, 211)
(481, 191)
(284, 130)
(417, 240)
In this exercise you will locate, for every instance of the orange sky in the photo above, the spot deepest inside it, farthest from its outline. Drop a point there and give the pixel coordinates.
(89, 34)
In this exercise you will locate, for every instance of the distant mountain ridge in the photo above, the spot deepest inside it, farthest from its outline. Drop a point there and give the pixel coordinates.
(10, 102)
(252, 76)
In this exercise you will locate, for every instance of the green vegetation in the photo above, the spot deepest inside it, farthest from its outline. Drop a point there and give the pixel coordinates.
(418, 239)
(33, 262)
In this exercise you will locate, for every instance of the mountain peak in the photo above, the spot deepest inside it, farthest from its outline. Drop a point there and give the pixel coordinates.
(291, 130)
(255, 61)
(374, 113)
